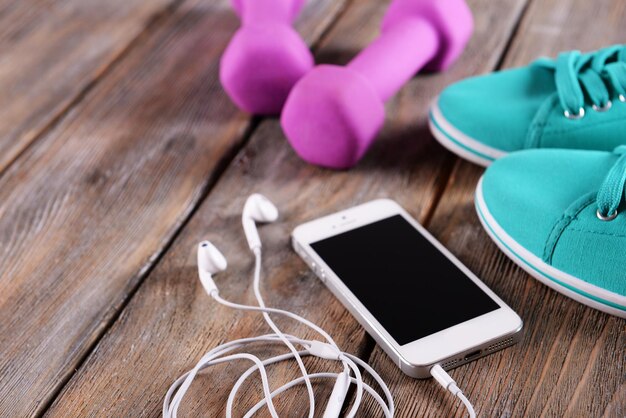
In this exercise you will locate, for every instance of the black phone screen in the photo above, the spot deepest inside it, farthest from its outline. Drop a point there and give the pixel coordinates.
(404, 281)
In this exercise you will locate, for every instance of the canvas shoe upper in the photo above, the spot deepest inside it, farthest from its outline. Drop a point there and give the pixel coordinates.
(575, 101)
(560, 214)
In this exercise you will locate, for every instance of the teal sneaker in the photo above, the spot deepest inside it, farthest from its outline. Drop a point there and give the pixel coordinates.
(561, 215)
(576, 101)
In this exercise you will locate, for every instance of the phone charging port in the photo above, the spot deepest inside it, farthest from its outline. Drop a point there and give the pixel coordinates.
(472, 355)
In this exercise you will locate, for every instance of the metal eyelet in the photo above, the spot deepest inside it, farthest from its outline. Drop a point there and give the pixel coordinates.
(603, 108)
(608, 217)
(574, 116)
(622, 98)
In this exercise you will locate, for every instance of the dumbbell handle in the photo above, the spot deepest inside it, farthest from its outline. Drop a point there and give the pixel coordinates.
(267, 11)
(400, 51)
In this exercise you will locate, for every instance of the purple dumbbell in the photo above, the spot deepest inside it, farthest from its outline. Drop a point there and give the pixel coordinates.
(333, 114)
(265, 57)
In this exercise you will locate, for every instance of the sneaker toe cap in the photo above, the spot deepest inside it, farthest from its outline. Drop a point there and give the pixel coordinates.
(529, 191)
(497, 109)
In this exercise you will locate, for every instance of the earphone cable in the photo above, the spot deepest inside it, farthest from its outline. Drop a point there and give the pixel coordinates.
(468, 405)
(274, 327)
(210, 261)
(181, 385)
(213, 357)
(216, 296)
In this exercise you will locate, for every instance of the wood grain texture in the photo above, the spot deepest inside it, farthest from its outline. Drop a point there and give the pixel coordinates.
(172, 308)
(52, 51)
(170, 322)
(87, 210)
(571, 362)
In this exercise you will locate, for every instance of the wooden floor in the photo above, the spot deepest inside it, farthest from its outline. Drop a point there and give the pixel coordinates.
(119, 151)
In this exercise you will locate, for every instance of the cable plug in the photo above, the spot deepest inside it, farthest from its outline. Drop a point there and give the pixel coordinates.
(449, 384)
(324, 350)
(444, 379)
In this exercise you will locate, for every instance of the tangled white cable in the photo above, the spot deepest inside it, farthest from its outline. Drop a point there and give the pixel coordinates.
(211, 261)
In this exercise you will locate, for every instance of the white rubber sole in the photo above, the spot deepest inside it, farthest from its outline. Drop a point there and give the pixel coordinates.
(459, 143)
(573, 287)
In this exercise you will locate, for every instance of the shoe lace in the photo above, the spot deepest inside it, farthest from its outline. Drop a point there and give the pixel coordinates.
(612, 189)
(577, 74)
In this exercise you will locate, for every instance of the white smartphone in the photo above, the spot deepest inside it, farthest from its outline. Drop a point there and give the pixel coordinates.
(417, 300)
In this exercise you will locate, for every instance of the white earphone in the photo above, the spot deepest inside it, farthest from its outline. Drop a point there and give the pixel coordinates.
(211, 261)
(258, 208)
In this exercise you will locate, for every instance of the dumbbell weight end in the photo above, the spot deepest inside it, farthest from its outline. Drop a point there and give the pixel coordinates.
(265, 57)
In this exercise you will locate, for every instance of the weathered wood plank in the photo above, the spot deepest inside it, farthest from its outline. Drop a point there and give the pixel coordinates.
(571, 361)
(175, 321)
(170, 322)
(88, 209)
(52, 52)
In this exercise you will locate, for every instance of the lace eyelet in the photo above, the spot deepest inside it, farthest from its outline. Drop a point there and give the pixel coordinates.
(622, 98)
(603, 108)
(608, 217)
(573, 116)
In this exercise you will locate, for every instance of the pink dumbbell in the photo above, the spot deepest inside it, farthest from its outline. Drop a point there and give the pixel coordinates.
(265, 57)
(333, 114)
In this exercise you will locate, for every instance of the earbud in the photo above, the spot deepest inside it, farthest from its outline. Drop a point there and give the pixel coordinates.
(258, 208)
(210, 261)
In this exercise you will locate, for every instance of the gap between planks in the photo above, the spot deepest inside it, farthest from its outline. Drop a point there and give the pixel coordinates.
(158, 20)
(154, 22)
(96, 179)
(220, 168)
(534, 392)
(450, 167)
(440, 185)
